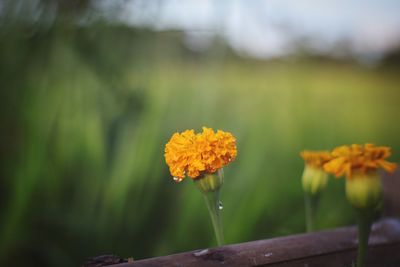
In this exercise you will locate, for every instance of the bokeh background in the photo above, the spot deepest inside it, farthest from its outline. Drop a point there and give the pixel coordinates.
(90, 92)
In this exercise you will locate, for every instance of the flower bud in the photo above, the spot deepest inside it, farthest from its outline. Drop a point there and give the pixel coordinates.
(364, 191)
(314, 180)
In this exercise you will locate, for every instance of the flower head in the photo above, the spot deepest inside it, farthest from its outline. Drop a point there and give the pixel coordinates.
(360, 160)
(314, 178)
(315, 159)
(193, 154)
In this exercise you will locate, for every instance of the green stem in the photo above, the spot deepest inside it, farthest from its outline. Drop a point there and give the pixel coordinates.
(311, 205)
(214, 208)
(365, 219)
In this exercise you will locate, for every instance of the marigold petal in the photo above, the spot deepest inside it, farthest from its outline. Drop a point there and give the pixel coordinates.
(390, 167)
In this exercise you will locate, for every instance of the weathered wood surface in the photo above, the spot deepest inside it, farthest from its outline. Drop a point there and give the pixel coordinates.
(391, 196)
(334, 248)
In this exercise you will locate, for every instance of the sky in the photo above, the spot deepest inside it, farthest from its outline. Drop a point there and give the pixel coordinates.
(270, 28)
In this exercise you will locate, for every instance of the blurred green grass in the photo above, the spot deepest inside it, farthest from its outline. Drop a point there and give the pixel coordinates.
(86, 119)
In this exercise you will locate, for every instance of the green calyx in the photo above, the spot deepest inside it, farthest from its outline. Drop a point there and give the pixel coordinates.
(210, 182)
(364, 191)
(314, 180)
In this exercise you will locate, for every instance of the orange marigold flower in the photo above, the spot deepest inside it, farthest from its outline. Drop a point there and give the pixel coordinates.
(358, 159)
(193, 154)
(316, 159)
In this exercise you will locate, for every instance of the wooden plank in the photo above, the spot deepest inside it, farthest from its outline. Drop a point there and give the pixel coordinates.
(326, 248)
(391, 196)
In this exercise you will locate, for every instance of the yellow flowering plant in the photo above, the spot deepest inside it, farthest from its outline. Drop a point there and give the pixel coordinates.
(314, 180)
(201, 157)
(360, 165)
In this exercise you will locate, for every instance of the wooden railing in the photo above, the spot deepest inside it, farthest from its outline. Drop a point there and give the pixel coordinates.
(334, 248)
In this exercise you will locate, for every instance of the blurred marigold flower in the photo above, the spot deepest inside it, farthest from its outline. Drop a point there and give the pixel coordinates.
(314, 178)
(193, 154)
(363, 184)
(359, 160)
(316, 159)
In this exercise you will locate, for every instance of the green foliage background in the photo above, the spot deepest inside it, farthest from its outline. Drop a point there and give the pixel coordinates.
(85, 112)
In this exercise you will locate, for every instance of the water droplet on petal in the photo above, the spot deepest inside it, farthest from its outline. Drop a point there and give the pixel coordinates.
(178, 179)
(220, 206)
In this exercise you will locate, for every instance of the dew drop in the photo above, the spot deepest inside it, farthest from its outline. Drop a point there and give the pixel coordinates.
(220, 206)
(178, 179)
